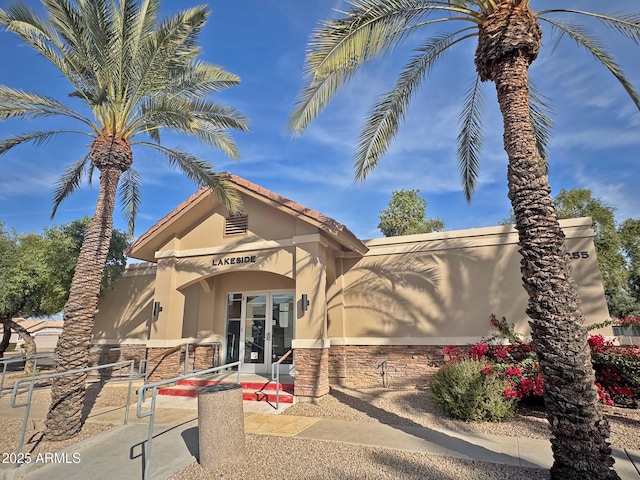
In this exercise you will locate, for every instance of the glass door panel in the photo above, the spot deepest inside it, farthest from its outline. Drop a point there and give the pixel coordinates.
(260, 330)
(255, 333)
(234, 321)
(283, 319)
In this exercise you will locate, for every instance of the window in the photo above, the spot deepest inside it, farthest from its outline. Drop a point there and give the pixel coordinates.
(236, 224)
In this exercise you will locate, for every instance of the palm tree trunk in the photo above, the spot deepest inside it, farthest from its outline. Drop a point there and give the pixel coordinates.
(579, 432)
(64, 418)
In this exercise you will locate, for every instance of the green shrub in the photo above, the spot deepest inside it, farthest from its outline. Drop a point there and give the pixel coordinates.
(463, 392)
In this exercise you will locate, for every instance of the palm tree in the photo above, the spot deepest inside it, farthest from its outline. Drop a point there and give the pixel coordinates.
(135, 77)
(509, 37)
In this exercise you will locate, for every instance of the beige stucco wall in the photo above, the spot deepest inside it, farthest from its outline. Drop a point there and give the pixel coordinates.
(445, 287)
(436, 288)
(124, 313)
(206, 229)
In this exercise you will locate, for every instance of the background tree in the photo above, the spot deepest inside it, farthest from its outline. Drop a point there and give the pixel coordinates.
(36, 271)
(134, 78)
(630, 239)
(617, 247)
(71, 235)
(509, 37)
(407, 215)
(608, 240)
(8, 256)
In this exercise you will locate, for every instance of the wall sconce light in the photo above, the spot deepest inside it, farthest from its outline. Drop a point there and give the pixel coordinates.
(156, 309)
(304, 302)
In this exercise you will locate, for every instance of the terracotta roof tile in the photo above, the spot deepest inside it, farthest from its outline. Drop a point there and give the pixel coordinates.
(285, 202)
(326, 223)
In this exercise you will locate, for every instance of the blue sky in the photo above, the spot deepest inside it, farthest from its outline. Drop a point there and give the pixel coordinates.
(594, 144)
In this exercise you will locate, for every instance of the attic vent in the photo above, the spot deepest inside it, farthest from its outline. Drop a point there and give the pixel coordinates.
(236, 225)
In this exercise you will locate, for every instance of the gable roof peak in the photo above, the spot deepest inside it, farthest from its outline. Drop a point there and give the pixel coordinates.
(333, 228)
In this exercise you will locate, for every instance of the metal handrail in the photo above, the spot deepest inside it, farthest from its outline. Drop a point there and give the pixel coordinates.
(25, 359)
(152, 408)
(218, 346)
(33, 380)
(384, 373)
(275, 375)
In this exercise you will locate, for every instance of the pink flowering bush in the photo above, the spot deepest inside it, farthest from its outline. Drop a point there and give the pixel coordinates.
(515, 363)
(630, 321)
(617, 372)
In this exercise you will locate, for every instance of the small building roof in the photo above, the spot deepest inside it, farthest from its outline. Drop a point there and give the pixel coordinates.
(35, 325)
(334, 229)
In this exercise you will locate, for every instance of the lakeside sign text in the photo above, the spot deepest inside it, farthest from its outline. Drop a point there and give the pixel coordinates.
(233, 260)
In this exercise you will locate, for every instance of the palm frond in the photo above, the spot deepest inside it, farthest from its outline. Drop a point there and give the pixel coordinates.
(470, 138)
(67, 21)
(90, 171)
(339, 47)
(137, 28)
(44, 39)
(540, 112)
(204, 119)
(130, 196)
(385, 117)
(153, 131)
(227, 195)
(219, 139)
(312, 100)
(18, 103)
(98, 17)
(200, 172)
(89, 37)
(69, 182)
(179, 112)
(627, 24)
(38, 138)
(202, 78)
(585, 39)
(137, 76)
(166, 53)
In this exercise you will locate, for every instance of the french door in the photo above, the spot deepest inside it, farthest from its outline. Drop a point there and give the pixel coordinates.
(260, 327)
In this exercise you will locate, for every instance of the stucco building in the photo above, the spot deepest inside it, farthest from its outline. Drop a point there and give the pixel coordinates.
(282, 276)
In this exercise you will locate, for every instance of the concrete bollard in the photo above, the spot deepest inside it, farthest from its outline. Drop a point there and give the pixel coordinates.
(220, 425)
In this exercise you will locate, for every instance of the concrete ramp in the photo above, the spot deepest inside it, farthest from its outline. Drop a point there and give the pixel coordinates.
(118, 453)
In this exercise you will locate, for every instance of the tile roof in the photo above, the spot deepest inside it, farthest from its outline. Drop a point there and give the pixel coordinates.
(328, 223)
(325, 223)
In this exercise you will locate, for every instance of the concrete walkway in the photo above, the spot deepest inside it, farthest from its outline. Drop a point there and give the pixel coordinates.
(175, 442)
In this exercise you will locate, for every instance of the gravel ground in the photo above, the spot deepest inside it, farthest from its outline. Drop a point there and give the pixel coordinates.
(304, 459)
(97, 396)
(415, 407)
(34, 442)
(286, 458)
(277, 458)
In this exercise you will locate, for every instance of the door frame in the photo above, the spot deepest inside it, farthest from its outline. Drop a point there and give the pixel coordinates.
(265, 366)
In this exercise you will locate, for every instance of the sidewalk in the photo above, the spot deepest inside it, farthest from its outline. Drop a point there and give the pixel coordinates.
(175, 442)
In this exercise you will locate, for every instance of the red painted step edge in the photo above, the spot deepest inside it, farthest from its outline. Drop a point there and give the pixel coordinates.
(266, 386)
(252, 395)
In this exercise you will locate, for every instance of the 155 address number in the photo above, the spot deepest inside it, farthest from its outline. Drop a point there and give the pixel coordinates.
(577, 255)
